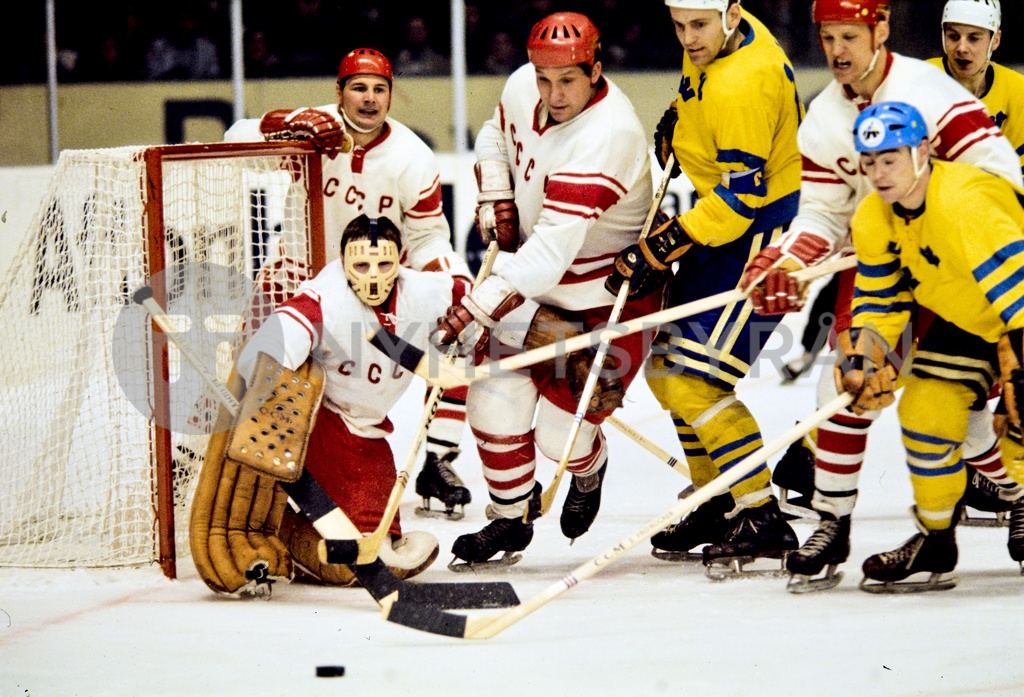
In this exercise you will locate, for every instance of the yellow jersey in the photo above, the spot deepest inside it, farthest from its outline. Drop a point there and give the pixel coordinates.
(736, 139)
(962, 256)
(1004, 100)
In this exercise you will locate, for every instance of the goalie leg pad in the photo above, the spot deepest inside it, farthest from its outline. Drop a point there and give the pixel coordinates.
(302, 541)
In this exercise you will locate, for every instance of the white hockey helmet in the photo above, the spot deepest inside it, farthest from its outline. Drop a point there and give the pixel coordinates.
(720, 5)
(371, 250)
(976, 13)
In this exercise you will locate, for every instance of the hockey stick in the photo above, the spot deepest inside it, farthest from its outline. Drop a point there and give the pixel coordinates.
(365, 549)
(649, 445)
(467, 627)
(547, 497)
(330, 521)
(427, 366)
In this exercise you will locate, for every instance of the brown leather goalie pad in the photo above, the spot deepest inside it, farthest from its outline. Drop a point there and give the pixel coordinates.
(276, 418)
(302, 541)
(237, 510)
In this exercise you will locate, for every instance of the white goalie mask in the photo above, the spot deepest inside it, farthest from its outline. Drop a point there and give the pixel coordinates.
(371, 263)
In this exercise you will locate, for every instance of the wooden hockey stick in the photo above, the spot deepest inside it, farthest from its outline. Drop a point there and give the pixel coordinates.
(649, 445)
(427, 366)
(330, 521)
(365, 549)
(547, 497)
(467, 627)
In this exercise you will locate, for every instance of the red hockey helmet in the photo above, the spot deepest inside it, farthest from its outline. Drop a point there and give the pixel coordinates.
(869, 12)
(561, 39)
(364, 61)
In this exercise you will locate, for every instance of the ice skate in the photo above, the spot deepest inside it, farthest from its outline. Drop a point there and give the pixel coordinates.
(706, 524)
(506, 535)
(437, 480)
(1016, 541)
(757, 545)
(985, 503)
(828, 546)
(582, 503)
(929, 551)
(794, 475)
(798, 366)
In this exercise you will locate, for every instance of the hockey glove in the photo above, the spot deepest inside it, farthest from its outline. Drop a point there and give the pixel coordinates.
(646, 264)
(775, 292)
(1010, 349)
(866, 369)
(497, 216)
(664, 132)
(325, 131)
(548, 327)
(471, 322)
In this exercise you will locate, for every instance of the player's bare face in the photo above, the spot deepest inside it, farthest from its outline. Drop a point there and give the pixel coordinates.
(366, 100)
(848, 48)
(891, 172)
(967, 49)
(567, 91)
(700, 33)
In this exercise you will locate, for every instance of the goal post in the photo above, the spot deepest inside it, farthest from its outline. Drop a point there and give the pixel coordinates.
(105, 429)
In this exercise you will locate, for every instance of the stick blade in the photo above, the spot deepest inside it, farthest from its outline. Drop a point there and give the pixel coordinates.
(450, 596)
(426, 619)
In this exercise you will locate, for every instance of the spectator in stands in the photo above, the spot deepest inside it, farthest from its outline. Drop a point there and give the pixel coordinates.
(184, 52)
(504, 56)
(418, 56)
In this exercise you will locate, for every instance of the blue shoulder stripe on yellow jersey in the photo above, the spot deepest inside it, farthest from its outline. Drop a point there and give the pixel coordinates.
(981, 271)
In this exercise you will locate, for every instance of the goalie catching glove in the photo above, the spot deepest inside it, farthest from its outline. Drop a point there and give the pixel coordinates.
(774, 291)
(325, 130)
(866, 368)
(548, 327)
(646, 264)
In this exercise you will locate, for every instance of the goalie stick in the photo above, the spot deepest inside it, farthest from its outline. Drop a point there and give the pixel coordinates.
(547, 497)
(466, 627)
(317, 506)
(365, 549)
(430, 368)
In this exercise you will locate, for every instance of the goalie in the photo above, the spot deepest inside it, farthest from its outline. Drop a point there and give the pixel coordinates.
(242, 528)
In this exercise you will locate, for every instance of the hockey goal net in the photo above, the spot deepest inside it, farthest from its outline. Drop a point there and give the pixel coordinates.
(104, 429)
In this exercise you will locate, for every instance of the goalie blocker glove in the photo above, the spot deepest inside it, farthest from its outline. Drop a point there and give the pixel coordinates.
(325, 131)
(646, 264)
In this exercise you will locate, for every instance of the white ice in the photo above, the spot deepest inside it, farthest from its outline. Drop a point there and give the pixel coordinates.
(641, 627)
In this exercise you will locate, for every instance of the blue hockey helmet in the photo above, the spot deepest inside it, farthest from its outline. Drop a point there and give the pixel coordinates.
(889, 126)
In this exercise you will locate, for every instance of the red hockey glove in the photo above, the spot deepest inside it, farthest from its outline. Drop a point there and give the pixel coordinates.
(775, 291)
(497, 216)
(471, 322)
(321, 127)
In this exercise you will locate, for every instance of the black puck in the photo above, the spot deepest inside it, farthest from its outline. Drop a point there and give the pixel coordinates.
(330, 671)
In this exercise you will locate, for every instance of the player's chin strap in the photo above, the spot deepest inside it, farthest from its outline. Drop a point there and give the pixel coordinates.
(351, 124)
(871, 65)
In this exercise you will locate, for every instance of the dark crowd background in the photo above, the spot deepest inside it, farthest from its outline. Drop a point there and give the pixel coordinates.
(126, 40)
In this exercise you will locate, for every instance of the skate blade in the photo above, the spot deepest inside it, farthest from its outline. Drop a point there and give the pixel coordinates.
(453, 514)
(801, 583)
(506, 560)
(935, 582)
(996, 520)
(730, 568)
(678, 557)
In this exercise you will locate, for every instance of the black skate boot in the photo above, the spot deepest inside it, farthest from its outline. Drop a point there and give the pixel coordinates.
(1016, 542)
(982, 494)
(829, 546)
(582, 503)
(931, 551)
(438, 480)
(506, 535)
(794, 475)
(757, 533)
(706, 524)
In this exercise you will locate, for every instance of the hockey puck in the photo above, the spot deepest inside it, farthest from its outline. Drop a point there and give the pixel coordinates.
(330, 671)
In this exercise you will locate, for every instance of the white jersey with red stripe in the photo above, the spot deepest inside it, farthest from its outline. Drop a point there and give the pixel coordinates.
(582, 187)
(327, 319)
(832, 183)
(395, 176)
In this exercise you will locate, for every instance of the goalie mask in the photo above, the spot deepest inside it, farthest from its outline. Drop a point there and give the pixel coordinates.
(370, 252)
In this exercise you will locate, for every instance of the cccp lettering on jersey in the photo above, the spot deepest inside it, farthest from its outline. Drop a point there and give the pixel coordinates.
(373, 372)
(844, 164)
(515, 141)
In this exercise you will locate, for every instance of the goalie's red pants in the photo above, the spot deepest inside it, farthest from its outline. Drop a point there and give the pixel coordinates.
(357, 473)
